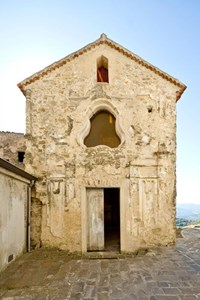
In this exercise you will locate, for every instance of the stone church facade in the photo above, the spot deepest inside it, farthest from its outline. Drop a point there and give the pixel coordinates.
(101, 139)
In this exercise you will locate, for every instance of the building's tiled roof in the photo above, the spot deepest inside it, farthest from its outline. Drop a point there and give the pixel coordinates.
(102, 40)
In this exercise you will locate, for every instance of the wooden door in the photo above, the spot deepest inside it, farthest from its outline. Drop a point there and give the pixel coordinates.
(95, 219)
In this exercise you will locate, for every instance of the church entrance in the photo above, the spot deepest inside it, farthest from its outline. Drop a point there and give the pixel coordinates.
(103, 219)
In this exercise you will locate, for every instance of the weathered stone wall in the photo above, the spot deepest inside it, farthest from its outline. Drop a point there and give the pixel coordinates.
(13, 216)
(36, 218)
(59, 106)
(10, 144)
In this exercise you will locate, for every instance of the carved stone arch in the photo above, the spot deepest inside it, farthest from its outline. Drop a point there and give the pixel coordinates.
(97, 106)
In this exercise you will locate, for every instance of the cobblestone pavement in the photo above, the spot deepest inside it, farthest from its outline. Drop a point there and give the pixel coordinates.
(168, 273)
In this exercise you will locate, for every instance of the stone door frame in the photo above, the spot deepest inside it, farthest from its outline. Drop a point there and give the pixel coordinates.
(123, 201)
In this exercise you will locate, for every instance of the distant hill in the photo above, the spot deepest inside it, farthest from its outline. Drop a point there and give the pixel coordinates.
(188, 211)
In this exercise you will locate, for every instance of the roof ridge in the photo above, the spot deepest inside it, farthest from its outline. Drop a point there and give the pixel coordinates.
(102, 40)
(11, 132)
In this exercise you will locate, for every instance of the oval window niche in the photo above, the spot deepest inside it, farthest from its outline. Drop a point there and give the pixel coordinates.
(102, 130)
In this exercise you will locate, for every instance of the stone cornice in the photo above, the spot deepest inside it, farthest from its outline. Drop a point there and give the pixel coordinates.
(106, 41)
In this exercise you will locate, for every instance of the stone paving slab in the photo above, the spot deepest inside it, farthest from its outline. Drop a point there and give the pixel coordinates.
(166, 273)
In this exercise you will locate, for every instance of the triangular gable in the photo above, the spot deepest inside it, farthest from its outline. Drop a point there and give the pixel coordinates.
(102, 40)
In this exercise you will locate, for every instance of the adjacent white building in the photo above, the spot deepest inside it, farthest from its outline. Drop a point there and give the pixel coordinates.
(15, 197)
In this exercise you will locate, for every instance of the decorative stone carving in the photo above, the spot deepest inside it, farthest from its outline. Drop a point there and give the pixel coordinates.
(101, 182)
(133, 187)
(98, 105)
(98, 92)
(134, 171)
(148, 201)
(70, 192)
(55, 206)
(56, 187)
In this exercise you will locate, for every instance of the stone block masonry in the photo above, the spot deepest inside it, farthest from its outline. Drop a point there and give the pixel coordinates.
(13, 147)
(64, 103)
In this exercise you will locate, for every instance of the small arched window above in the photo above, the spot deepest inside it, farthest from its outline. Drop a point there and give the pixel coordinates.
(102, 69)
(102, 130)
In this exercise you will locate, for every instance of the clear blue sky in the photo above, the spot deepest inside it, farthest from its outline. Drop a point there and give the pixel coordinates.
(36, 33)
